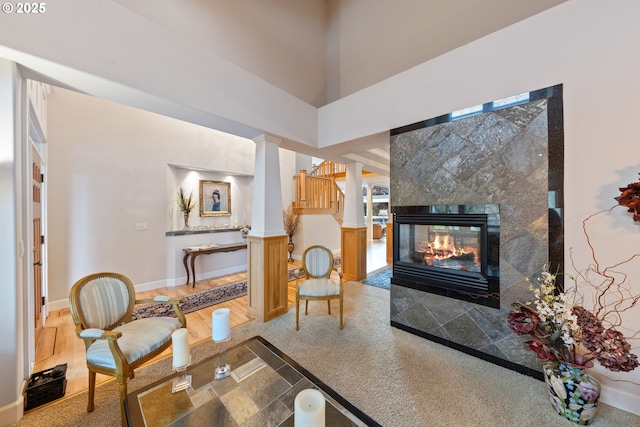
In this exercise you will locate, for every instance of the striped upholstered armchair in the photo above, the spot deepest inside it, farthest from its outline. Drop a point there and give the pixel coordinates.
(317, 267)
(101, 307)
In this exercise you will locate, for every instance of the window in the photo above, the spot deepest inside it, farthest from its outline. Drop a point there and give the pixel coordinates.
(491, 106)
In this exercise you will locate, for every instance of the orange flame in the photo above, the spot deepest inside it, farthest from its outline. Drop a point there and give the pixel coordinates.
(443, 247)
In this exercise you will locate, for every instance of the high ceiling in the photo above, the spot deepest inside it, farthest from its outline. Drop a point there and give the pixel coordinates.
(397, 44)
(452, 24)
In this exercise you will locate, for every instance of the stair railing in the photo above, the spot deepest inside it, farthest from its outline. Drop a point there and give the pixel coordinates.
(318, 194)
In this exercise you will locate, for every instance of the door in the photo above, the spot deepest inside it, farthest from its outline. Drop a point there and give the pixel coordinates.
(38, 241)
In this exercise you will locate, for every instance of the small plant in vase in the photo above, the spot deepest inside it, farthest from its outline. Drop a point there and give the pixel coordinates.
(186, 205)
(291, 224)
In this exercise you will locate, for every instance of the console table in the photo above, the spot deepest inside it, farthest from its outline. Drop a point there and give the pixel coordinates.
(195, 251)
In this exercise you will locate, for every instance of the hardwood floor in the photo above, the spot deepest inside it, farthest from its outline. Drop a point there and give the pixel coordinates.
(59, 344)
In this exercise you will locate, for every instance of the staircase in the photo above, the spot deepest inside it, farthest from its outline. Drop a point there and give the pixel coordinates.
(329, 169)
(317, 191)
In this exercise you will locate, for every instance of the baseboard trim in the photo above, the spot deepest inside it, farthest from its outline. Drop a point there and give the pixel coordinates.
(181, 281)
(617, 398)
(168, 283)
(12, 413)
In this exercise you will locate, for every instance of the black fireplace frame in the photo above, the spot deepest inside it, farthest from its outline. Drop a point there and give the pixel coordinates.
(478, 287)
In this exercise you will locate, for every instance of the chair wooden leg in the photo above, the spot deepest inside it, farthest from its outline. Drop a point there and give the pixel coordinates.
(306, 307)
(297, 313)
(123, 395)
(92, 390)
(329, 305)
(341, 326)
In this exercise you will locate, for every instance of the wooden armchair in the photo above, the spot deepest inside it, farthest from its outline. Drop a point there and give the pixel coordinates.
(101, 306)
(317, 266)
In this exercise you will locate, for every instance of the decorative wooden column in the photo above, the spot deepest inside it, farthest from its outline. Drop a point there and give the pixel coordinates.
(267, 241)
(353, 236)
(353, 253)
(267, 276)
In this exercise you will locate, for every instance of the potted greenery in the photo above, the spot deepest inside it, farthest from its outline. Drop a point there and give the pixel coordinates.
(186, 205)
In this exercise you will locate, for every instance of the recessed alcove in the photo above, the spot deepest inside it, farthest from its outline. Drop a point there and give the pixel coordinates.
(507, 153)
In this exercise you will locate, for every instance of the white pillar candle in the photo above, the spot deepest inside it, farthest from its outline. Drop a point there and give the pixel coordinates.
(309, 409)
(180, 348)
(220, 325)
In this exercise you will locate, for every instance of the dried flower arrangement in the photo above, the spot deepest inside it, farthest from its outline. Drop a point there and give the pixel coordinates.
(291, 221)
(630, 198)
(562, 329)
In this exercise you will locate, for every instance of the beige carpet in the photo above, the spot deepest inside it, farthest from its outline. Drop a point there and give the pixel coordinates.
(397, 378)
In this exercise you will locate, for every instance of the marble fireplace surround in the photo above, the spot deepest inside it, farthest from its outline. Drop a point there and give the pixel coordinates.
(511, 156)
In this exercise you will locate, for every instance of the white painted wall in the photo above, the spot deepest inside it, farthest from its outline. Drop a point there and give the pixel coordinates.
(372, 40)
(587, 45)
(109, 170)
(113, 166)
(320, 229)
(280, 41)
(288, 168)
(156, 67)
(14, 304)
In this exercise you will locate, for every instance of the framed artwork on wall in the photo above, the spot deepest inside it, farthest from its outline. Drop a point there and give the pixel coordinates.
(215, 198)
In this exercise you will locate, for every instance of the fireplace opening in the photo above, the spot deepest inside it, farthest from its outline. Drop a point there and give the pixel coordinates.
(456, 247)
(450, 250)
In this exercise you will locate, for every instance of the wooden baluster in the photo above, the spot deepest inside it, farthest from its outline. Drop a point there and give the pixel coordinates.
(296, 189)
(302, 186)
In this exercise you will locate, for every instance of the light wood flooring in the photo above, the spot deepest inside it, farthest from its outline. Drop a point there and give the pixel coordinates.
(59, 344)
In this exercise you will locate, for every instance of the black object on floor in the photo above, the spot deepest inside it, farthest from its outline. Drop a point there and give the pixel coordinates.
(46, 386)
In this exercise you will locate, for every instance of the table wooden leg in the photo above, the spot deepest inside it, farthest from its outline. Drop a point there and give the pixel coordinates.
(184, 261)
(193, 269)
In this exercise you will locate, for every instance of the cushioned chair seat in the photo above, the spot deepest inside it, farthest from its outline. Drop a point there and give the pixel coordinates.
(319, 288)
(138, 339)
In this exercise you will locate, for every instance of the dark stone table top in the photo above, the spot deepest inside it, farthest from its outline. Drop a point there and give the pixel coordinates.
(260, 391)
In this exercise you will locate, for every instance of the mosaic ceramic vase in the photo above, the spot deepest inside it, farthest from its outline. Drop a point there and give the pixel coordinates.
(573, 393)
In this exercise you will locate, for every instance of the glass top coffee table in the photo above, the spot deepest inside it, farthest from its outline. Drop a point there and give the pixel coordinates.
(260, 391)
